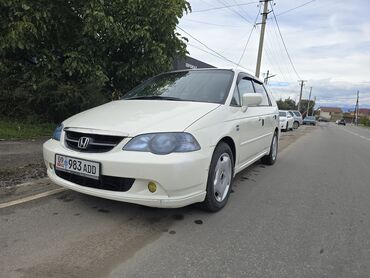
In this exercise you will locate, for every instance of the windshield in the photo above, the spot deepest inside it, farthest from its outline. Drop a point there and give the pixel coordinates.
(201, 86)
(282, 114)
(297, 114)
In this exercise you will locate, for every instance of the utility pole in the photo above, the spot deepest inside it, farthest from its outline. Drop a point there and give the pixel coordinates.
(313, 106)
(268, 76)
(356, 111)
(262, 35)
(309, 100)
(300, 94)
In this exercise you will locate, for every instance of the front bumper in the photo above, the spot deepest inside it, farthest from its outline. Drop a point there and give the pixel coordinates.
(181, 178)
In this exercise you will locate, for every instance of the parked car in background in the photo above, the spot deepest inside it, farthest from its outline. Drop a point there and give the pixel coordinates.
(178, 138)
(286, 120)
(297, 116)
(309, 120)
(341, 122)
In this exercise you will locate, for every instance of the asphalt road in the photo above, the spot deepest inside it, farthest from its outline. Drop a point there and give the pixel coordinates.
(306, 216)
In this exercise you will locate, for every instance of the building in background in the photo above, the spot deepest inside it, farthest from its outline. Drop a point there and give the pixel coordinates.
(330, 113)
(189, 63)
(364, 112)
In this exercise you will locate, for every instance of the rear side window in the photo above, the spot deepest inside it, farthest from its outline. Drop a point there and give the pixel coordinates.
(261, 90)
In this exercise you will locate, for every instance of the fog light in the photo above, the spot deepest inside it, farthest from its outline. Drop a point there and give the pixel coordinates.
(152, 187)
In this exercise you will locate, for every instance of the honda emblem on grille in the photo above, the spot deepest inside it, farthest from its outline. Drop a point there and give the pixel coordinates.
(83, 142)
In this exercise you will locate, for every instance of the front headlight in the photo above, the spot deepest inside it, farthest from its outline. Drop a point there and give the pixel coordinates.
(163, 143)
(58, 132)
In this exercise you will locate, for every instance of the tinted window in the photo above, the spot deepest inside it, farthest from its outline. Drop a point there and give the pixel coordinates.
(282, 114)
(245, 86)
(297, 114)
(202, 86)
(291, 113)
(261, 90)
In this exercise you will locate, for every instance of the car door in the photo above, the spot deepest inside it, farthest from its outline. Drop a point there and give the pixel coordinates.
(248, 122)
(267, 114)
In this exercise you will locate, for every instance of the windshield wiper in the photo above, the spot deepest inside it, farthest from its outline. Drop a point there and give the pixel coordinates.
(156, 97)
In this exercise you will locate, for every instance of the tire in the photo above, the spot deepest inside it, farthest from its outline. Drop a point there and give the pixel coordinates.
(222, 169)
(270, 159)
(295, 125)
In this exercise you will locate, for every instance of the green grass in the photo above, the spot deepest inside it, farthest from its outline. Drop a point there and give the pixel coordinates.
(17, 129)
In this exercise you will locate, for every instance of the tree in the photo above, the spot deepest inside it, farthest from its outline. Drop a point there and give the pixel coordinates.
(287, 104)
(60, 57)
(304, 107)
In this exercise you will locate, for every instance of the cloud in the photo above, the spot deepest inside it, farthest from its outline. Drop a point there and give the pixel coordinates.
(329, 43)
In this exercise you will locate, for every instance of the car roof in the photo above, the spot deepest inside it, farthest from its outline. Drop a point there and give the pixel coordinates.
(236, 71)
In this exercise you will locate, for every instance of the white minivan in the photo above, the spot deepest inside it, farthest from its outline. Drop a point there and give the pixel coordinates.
(178, 138)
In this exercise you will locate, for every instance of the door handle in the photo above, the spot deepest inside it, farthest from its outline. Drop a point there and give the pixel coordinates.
(262, 119)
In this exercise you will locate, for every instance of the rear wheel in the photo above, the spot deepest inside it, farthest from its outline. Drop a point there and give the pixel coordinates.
(220, 176)
(270, 159)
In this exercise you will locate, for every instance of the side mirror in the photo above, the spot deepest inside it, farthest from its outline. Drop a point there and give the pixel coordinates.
(252, 99)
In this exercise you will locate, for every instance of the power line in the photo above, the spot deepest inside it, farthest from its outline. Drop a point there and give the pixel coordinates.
(285, 47)
(213, 24)
(292, 9)
(206, 46)
(274, 40)
(210, 53)
(225, 7)
(235, 12)
(249, 37)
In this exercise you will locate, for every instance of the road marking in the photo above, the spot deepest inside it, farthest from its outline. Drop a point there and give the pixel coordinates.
(33, 197)
(354, 133)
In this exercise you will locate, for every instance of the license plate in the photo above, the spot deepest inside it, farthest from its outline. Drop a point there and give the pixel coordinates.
(81, 167)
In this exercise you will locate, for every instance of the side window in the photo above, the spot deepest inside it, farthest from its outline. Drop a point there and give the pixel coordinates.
(261, 90)
(235, 101)
(245, 86)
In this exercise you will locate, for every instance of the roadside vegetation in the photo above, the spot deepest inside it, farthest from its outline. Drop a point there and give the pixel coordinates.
(290, 104)
(58, 58)
(17, 129)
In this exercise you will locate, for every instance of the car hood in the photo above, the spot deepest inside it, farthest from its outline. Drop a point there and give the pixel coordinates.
(133, 117)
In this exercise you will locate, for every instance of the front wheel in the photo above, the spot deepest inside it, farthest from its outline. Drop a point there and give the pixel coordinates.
(270, 159)
(220, 177)
(295, 125)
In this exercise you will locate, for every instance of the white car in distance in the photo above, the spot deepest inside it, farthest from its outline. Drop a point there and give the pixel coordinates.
(178, 138)
(286, 120)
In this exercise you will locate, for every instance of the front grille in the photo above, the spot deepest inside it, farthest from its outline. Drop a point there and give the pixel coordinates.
(105, 182)
(97, 143)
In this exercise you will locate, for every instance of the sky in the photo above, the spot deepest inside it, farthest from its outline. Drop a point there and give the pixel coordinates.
(328, 42)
